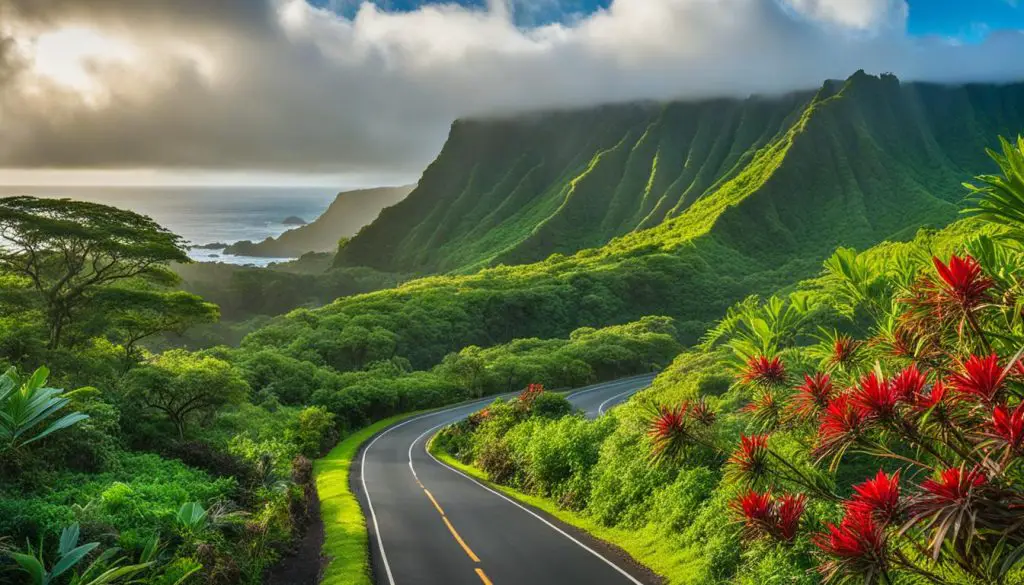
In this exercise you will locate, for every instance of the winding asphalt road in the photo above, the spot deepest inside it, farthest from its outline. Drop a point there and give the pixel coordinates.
(431, 525)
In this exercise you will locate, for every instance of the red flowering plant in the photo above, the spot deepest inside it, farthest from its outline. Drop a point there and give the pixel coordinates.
(944, 416)
(674, 430)
(529, 394)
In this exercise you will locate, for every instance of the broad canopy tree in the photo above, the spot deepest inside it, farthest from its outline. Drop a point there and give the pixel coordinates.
(68, 250)
(183, 386)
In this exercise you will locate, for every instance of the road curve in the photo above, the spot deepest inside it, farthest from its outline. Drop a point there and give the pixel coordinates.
(431, 525)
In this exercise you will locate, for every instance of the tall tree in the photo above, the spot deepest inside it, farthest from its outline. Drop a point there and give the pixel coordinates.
(69, 249)
(184, 385)
(131, 314)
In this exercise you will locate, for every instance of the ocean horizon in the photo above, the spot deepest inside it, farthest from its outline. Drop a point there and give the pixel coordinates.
(205, 215)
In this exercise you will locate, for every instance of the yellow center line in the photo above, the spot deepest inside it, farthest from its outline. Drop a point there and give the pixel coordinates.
(458, 538)
(436, 505)
(483, 577)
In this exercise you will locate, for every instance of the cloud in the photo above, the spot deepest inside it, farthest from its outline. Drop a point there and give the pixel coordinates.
(281, 85)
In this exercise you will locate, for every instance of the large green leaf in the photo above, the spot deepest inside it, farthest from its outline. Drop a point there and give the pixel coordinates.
(32, 566)
(71, 559)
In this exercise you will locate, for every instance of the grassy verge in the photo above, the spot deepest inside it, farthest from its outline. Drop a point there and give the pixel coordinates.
(652, 551)
(346, 542)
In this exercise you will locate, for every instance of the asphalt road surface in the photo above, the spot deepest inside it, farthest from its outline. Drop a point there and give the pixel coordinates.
(431, 525)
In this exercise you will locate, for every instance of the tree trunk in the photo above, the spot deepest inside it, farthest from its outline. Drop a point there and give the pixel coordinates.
(56, 328)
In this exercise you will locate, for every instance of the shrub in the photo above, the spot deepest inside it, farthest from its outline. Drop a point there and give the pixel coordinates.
(316, 432)
(552, 406)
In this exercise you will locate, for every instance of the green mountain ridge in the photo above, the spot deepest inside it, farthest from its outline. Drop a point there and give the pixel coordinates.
(889, 155)
(865, 160)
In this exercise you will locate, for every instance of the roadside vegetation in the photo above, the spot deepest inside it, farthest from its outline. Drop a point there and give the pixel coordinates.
(119, 462)
(866, 427)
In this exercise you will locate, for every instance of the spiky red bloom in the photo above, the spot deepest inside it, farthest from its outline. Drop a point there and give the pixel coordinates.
(755, 508)
(763, 515)
(668, 422)
(879, 496)
(938, 395)
(858, 537)
(765, 371)
(532, 391)
(669, 430)
(788, 511)
(1007, 426)
(962, 281)
(979, 377)
(841, 423)
(844, 350)
(751, 458)
(813, 395)
(875, 396)
(953, 486)
(702, 413)
(908, 383)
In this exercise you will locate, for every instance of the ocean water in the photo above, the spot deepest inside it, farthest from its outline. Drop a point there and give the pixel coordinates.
(204, 215)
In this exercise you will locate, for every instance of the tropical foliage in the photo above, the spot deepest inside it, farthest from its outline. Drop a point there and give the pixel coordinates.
(864, 427)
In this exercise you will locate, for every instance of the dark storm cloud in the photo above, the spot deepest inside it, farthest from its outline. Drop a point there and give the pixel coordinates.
(275, 85)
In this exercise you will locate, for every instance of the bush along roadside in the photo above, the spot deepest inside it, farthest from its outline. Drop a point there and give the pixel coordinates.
(865, 428)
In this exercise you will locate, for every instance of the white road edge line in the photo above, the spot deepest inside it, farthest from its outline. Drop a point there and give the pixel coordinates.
(373, 513)
(631, 578)
(600, 409)
(605, 385)
(366, 491)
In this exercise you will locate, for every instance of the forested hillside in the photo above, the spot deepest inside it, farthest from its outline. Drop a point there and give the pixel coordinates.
(517, 190)
(829, 180)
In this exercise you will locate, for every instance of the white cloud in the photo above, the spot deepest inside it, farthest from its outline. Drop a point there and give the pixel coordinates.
(864, 15)
(279, 85)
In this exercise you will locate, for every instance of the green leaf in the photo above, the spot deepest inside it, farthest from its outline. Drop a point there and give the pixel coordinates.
(72, 558)
(68, 539)
(32, 566)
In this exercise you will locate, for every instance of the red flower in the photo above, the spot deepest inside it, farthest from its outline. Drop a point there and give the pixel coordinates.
(788, 511)
(669, 431)
(1008, 426)
(532, 391)
(953, 486)
(763, 515)
(938, 395)
(980, 377)
(844, 350)
(702, 413)
(963, 282)
(879, 496)
(756, 508)
(875, 396)
(857, 536)
(813, 395)
(751, 459)
(908, 383)
(841, 423)
(765, 371)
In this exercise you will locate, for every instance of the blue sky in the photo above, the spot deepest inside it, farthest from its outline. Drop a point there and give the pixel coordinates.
(968, 20)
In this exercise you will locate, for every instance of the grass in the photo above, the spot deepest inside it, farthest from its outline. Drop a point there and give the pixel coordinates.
(346, 541)
(652, 550)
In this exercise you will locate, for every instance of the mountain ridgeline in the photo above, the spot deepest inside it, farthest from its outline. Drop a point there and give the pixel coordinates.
(870, 154)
